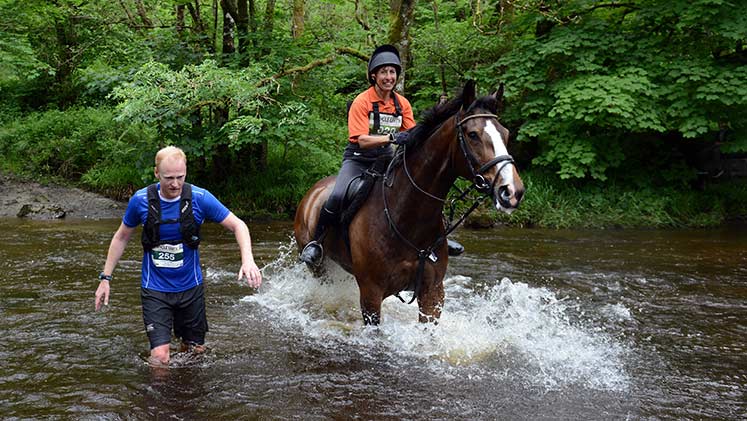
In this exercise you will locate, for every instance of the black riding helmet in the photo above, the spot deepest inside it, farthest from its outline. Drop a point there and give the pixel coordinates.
(385, 55)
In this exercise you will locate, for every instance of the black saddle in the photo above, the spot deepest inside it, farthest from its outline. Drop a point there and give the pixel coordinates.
(360, 187)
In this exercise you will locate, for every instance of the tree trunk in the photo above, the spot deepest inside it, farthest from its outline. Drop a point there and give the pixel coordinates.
(180, 20)
(130, 17)
(143, 14)
(67, 42)
(242, 29)
(194, 11)
(252, 16)
(441, 66)
(401, 14)
(268, 25)
(297, 26)
(269, 22)
(228, 44)
(214, 30)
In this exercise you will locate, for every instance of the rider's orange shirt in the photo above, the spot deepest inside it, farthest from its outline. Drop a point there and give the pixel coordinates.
(363, 104)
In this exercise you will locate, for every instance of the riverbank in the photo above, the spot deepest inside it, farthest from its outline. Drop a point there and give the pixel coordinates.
(29, 199)
(547, 204)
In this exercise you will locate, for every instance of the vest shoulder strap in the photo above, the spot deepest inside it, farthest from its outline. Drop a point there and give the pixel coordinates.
(188, 228)
(397, 107)
(150, 236)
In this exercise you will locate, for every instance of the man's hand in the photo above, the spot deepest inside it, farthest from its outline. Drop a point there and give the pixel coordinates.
(102, 295)
(252, 274)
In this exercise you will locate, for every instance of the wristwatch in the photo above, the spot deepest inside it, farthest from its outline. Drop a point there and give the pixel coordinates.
(103, 277)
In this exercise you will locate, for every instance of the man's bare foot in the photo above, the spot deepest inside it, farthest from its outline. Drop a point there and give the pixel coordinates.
(155, 362)
(193, 348)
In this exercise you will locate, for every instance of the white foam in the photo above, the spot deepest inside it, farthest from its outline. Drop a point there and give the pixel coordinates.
(507, 329)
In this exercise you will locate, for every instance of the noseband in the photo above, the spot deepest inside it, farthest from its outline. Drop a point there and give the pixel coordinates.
(478, 180)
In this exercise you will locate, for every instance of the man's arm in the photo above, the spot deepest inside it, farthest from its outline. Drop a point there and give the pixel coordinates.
(248, 267)
(116, 248)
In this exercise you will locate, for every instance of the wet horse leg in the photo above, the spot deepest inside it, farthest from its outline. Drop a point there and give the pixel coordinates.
(371, 298)
(430, 302)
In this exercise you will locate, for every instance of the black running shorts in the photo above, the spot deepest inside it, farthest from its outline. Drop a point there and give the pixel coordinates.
(183, 311)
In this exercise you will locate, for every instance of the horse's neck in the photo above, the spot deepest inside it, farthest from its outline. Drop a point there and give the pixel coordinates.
(432, 170)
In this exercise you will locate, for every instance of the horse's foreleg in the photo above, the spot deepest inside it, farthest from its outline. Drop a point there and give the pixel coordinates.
(371, 299)
(430, 302)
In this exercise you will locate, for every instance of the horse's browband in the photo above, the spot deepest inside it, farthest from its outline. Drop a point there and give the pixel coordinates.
(469, 117)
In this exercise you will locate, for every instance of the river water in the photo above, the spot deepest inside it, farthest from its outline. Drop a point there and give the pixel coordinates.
(537, 324)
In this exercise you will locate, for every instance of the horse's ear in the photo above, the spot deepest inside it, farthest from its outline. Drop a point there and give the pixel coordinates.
(498, 95)
(468, 94)
(443, 99)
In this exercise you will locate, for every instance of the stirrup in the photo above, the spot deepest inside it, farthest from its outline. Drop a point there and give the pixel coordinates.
(312, 253)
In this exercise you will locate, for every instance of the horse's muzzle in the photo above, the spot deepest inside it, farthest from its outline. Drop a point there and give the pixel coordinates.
(508, 198)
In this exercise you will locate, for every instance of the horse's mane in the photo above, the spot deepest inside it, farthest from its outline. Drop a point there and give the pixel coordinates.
(434, 117)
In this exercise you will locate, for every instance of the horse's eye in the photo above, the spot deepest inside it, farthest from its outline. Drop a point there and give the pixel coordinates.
(473, 136)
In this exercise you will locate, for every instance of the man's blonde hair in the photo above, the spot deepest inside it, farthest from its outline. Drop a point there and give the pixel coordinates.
(169, 152)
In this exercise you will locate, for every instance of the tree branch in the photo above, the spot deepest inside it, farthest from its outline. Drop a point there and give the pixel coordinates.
(143, 14)
(130, 18)
(314, 64)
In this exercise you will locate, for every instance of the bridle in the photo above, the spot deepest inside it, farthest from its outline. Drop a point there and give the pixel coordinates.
(478, 181)
(479, 184)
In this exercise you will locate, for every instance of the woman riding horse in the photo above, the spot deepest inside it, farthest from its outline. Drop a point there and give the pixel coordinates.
(396, 240)
(377, 118)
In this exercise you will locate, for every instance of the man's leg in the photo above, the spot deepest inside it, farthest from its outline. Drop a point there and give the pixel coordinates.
(158, 319)
(190, 320)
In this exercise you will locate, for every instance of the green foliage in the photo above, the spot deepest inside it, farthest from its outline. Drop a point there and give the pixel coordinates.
(17, 60)
(169, 100)
(276, 191)
(555, 204)
(598, 78)
(97, 81)
(70, 144)
(606, 96)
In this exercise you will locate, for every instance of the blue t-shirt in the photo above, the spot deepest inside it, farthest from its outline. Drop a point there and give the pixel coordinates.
(180, 269)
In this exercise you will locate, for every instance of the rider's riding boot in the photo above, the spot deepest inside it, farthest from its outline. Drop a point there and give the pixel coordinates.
(455, 249)
(313, 253)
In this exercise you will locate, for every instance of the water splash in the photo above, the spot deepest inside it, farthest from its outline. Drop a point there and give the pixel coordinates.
(500, 329)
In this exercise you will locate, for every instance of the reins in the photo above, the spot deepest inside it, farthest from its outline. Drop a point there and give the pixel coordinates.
(479, 184)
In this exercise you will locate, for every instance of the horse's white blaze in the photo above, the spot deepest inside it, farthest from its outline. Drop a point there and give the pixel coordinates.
(507, 173)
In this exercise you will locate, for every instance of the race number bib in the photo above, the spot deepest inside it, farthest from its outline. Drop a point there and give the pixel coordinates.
(168, 255)
(388, 123)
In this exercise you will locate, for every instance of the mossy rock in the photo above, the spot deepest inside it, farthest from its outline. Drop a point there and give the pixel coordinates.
(480, 219)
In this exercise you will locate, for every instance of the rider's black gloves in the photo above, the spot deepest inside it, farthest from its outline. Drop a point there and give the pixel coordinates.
(399, 138)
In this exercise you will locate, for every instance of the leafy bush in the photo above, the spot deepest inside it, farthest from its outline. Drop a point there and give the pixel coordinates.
(79, 144)
(553, 203)
(585, 82)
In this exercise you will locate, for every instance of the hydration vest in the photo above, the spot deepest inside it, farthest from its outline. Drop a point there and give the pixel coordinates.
(354, 151)
(189, 230)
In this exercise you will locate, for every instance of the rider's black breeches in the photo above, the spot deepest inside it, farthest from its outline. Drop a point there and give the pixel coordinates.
(349, 170)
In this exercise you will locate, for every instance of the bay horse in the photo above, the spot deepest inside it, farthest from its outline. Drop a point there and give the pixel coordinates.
(397, 238)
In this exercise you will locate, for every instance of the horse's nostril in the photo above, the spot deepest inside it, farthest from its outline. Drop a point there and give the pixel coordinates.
(503, 191)
(504, 196)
